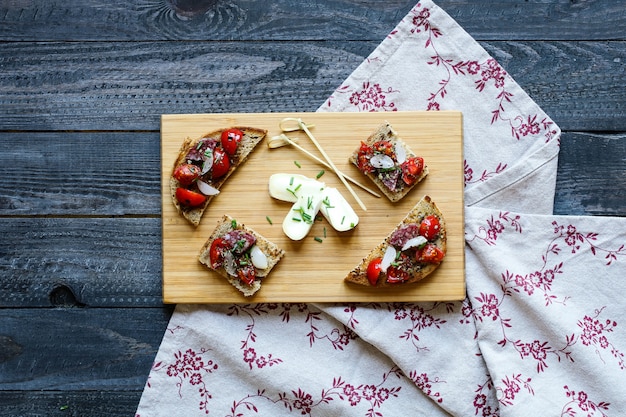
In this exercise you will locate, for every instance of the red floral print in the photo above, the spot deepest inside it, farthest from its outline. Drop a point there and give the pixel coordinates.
(575, 239)
(511, 387)
(486, 73)
(370, 97)
(420, 319)
(496, 226)
(425, 383)
(579, 401)
(191, 367)
(594, 333)
(250, 355)
(301, 402)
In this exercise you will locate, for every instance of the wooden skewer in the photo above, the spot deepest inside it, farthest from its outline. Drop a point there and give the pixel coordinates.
(283, 140)
(306, 130)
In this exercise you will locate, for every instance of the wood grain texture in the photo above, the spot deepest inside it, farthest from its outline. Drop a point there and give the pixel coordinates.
(299, 277)
(283, 19)
(127, 86)
(80, 261)
(79, 349)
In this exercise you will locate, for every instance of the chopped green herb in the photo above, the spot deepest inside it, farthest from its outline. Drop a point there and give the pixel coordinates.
(292, 192)
(319, 174)
(268, 219)
(324, 232)
(342, 219)
(297, 164)
(298, 187)
(233, 224)
(309, 203)
(64, 407)
(295, 219)
(290, 181)
(352, 225)
(318, 239)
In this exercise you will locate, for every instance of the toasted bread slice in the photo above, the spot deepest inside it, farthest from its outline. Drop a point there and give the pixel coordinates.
(252, 137)
(272, 252)
(417, 271)
(400, 189)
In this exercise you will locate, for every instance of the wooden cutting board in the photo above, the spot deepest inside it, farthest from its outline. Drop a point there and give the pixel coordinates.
(313, 271)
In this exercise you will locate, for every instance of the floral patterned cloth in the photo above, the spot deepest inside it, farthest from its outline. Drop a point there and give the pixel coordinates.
(541, 331)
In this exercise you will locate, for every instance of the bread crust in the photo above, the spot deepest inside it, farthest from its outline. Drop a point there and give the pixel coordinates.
(271, 250)
(422, 209)
(386, 132)
(251, 138)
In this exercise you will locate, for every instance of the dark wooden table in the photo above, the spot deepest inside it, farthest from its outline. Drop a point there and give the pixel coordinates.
(82, 86)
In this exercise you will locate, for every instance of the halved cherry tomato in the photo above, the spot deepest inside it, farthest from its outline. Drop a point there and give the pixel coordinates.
(247, 274)
(186, 174)
(230, 140)
(189, 198)
(411, 169)
(429, 254)
(221, 163)
(430, 227)
(374, 270)
(396, 275)
(215, 251)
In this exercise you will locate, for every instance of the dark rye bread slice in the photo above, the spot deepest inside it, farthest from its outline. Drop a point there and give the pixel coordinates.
(271, 250)
(422, 209)
(251, 138)
(386, 132)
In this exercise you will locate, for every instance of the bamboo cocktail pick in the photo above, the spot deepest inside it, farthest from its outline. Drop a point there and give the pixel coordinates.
(283, 140)
(303, 126)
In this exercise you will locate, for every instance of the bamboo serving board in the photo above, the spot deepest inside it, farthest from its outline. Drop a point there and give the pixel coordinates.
(313, 271)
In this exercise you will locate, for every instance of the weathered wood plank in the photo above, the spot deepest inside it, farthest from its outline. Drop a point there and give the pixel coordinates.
(80, 261)
(79, 349)
(293, 20)
(69, 403)
(591, 176)
(87, 173)
(126, 86)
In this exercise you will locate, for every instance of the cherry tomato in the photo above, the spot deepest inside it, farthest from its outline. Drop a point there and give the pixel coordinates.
(189, 198)
(411, 169)
(230, 140)
(186, 174)
(374, 270)
(247, 274)
(429, 254)
(221, 163)
(396, 275)
(215, 252)
(430, 227)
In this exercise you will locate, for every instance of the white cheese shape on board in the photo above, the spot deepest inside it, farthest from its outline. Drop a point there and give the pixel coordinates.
(299, 221)
(337, 211)
(287, 187)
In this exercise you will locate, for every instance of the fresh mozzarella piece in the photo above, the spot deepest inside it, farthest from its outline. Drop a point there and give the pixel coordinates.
(299, 221)
(337, 210)
(287, 187)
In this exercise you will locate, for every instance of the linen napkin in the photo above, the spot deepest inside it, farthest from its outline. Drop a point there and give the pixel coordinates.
(531, 334)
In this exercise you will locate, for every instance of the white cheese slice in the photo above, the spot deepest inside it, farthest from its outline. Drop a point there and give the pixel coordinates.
(337, 211)
(287, 187)
(299, 221)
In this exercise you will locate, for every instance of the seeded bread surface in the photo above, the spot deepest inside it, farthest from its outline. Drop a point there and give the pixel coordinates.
(251, 138)
(386, 132)
(271, 250)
